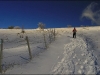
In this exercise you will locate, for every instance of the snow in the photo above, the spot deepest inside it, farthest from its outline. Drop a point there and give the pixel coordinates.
(65, 55)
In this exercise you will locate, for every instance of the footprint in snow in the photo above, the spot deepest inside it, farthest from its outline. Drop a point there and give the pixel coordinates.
(83, 54)
(81, 67)
(74, 56)
(85, 62)
(78, 59)
(79, 71)
(76, 63)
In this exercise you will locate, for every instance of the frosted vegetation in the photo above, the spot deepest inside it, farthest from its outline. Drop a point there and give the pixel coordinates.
(53, 52)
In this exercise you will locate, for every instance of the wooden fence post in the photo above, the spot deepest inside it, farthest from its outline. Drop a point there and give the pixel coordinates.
(28, 47)
(1, 53)
(54, 34)
(50, 37)
(45, 40)
(49, 32)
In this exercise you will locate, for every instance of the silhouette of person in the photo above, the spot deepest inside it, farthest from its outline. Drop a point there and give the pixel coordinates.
(74, 32)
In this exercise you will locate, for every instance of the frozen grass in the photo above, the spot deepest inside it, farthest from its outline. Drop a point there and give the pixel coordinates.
(65, 55)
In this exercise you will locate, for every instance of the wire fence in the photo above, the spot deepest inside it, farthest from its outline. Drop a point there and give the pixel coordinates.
(20, 50)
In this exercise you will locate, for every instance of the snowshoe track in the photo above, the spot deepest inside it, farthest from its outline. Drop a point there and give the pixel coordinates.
(73, 63)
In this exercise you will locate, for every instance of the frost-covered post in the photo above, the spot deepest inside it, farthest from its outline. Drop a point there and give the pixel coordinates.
(1, 53)
(44, 39)
(29, 47)
(49, 32)
(54, 33)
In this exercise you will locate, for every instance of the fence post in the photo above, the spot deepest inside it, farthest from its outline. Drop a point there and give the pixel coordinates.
(28, 47)
(54, 34)
(49, 32)
(1, 53)
(50, 37)
(45, 40)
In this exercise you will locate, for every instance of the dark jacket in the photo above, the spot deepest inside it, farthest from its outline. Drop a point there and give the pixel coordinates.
(74, 30)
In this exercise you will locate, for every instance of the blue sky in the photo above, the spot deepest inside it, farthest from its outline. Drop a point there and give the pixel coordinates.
(54, 14)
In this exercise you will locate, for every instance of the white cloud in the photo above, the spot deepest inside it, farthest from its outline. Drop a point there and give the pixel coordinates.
(92, 14)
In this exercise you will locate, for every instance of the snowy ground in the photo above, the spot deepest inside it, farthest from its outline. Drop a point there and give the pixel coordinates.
(65, 55)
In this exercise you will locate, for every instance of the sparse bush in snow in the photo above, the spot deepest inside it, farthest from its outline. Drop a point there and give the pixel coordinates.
(51, 34)
(41, 25)
(44, 36)
(69, 26)
(10, 27)
(23, 31)
(17, 27)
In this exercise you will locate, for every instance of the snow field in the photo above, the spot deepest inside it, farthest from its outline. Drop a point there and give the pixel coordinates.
(76, 59)
(15, 50)
(65, 55)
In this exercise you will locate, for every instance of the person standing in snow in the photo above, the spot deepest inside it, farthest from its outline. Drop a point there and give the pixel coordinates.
(74, 32)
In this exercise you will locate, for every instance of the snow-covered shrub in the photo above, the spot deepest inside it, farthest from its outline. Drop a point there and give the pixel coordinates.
(16, 27)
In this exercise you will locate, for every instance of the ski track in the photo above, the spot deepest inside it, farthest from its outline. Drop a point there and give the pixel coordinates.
(76, 59)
